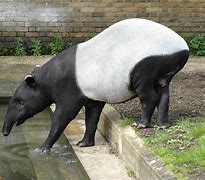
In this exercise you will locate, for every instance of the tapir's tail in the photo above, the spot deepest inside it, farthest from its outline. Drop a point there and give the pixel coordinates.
(174, 64)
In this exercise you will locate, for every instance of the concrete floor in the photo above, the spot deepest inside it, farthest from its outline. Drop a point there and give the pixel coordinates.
(99, 161)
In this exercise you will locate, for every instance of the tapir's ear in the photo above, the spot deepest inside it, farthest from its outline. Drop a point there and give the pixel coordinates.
(30, 80)
(36, 68)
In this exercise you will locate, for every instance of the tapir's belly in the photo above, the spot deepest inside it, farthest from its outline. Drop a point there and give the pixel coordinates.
(104, 63)
(109, 83)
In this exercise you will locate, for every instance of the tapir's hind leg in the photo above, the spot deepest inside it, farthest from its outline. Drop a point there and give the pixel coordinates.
(163, 106)
(143, 79)
(149, 100)
(150, 78)
(92, 115)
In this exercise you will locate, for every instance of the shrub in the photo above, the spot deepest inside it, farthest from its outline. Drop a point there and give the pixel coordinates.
(68, 45)
(187, 39)
(90, 36)
(56, 45)
(3, 51)
(36, 47)
(19, 48)
(197, 45)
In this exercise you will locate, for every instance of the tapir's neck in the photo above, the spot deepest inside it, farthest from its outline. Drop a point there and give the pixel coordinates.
(58, 73)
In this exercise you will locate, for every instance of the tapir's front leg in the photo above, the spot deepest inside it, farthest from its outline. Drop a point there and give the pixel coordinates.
(61, 118)
(92, 115)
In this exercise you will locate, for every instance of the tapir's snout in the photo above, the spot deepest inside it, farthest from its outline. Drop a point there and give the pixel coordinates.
(7, 128)
(6, 133)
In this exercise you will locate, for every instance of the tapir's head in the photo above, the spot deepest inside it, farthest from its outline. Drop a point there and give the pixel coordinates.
(28, 100)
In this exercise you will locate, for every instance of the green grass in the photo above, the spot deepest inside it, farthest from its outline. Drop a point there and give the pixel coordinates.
(126, 122)
(130, 172)
(181, 147)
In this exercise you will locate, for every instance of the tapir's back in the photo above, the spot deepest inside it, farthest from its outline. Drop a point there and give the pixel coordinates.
(104, 63)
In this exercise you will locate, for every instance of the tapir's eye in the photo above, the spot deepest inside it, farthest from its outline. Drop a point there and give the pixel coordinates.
(22, 104)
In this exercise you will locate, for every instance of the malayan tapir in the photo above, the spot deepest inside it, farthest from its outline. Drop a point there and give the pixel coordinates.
(131, 58)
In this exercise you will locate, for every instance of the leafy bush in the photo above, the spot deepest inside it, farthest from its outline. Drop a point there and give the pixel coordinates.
(68, 45)
(187, 39)
(3, 51)
(197, 45)
(56, 45)
(90, 36)
(19, 48)
(36, 47)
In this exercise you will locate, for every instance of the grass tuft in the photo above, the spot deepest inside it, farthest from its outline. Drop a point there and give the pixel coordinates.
(181, 147)
(126, 122)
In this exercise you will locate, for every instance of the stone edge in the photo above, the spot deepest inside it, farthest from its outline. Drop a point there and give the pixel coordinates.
(131, 148)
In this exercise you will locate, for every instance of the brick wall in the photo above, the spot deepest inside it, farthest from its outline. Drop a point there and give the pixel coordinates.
(74, 19)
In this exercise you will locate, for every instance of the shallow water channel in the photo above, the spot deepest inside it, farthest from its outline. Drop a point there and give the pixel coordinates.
(21, 160)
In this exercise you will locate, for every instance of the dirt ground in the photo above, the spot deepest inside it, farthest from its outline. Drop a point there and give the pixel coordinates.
(187, 94)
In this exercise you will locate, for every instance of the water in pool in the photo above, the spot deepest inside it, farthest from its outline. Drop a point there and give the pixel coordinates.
(21, 160)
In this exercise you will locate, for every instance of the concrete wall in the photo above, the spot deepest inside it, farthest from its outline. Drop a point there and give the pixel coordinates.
(74, 19)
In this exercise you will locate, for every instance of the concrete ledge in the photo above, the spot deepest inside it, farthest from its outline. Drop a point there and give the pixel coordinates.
(130, 148)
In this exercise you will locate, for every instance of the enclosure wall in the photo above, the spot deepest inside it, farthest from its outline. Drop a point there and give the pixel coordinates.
(74, 19)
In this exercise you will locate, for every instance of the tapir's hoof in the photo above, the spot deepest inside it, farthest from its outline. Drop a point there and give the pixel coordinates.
(163, 126)
(44, 149)
(140, 125)
(85, 144)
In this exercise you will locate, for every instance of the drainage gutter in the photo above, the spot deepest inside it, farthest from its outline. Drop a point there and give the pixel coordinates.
(131, 149)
